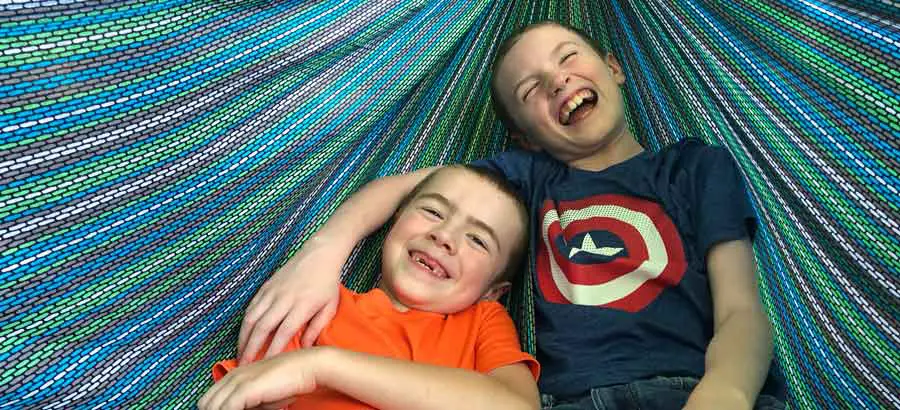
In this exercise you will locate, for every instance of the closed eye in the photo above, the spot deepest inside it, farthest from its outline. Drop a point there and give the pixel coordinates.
(528, 91)
(433, 212)
(567, 57)
(478, 241)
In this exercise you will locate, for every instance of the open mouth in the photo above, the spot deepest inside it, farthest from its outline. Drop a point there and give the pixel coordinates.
(429, 264)
(577, 107)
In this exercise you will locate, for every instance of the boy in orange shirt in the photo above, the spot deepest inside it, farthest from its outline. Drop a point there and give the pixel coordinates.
(431, 334)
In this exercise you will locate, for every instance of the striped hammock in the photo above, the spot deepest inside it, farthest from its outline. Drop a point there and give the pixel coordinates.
(160, 159)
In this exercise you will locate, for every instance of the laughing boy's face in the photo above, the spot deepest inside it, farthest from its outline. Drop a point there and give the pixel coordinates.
(561, 94)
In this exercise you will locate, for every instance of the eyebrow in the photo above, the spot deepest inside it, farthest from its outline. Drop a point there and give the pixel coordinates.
(555, 51)
(472, 220)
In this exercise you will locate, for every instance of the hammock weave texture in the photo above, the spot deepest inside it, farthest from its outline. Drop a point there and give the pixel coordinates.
(160, 159)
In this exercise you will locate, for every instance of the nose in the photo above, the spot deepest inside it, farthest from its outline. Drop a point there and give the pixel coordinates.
(558, 82)
(443, 239)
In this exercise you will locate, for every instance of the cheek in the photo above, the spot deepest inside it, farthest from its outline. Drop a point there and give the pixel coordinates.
(523, 113)
(478, 266)
(535, 116)
(407, 226)
(392, 236)
(393, 244)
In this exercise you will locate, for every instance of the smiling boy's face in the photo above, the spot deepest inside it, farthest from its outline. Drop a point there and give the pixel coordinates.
(450, 242)
(560, 93)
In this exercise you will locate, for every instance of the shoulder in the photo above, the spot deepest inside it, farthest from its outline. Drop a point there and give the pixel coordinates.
(518, 156)
(345, 292)
(694, 155)
(692, 148)
(481, 311)
(490, 312)
(515, 157)
(489, 306)
(520, 167)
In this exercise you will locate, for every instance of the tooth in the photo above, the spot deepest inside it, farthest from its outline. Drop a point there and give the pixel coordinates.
(421, 261)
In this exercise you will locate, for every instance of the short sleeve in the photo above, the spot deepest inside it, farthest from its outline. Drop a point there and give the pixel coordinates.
(721, 207)
(498, 342)
(515, 165)
(220, 369)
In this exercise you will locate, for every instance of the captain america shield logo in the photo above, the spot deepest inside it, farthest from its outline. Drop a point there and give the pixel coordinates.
(613, 251)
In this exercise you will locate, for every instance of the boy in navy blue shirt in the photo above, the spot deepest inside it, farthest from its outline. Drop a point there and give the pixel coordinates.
(643, 264)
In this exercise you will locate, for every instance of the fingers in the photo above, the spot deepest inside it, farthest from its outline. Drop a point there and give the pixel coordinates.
(215, 398)
(203, 403)
(288, 328)
(318, 323)
(264, 326)
(275, 406)
(232, 399)
(258, 305)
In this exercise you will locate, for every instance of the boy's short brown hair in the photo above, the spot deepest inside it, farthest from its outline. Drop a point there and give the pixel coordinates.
(518, 250)
(499, 109)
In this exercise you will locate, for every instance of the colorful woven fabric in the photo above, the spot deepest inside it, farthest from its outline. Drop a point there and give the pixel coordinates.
(160, 159)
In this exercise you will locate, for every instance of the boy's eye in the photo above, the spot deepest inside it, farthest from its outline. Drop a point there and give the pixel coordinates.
(433, 212)
(528, 91)
(568, 56)
(478, 241)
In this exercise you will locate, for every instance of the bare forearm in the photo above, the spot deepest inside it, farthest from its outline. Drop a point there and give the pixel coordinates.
(387, 383)
(364, 212)
(739, 355)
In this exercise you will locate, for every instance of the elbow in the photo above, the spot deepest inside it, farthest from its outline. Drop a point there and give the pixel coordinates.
(765, 339)
(526, 402)
(527, 405)
(517, 400)
(765, 327)
(769, 335)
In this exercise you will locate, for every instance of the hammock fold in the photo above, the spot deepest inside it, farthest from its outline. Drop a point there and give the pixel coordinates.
(160, 159)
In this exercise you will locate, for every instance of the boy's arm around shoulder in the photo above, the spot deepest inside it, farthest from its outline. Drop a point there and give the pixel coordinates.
(303, 293)
(739, 354)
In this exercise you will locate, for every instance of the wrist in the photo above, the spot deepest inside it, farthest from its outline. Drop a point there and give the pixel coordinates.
(333, 238)
(324, 361)
(724, 394)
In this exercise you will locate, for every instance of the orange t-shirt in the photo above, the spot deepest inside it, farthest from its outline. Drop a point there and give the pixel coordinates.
(480, 338)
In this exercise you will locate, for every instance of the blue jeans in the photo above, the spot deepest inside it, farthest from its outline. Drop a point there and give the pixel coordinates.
(660, 393)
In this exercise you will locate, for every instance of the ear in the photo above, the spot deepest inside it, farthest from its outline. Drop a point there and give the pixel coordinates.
(496, 291)
(519, 138)
(615, 68)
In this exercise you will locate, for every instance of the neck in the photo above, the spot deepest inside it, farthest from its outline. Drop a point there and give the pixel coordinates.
(621, 148)
(397, 305)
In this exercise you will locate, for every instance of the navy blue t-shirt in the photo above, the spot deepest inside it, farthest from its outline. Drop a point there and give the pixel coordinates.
(619, 260)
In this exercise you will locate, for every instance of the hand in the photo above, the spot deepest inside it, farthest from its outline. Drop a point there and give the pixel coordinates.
(303, 292)
(711, 395)
(268, 384)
